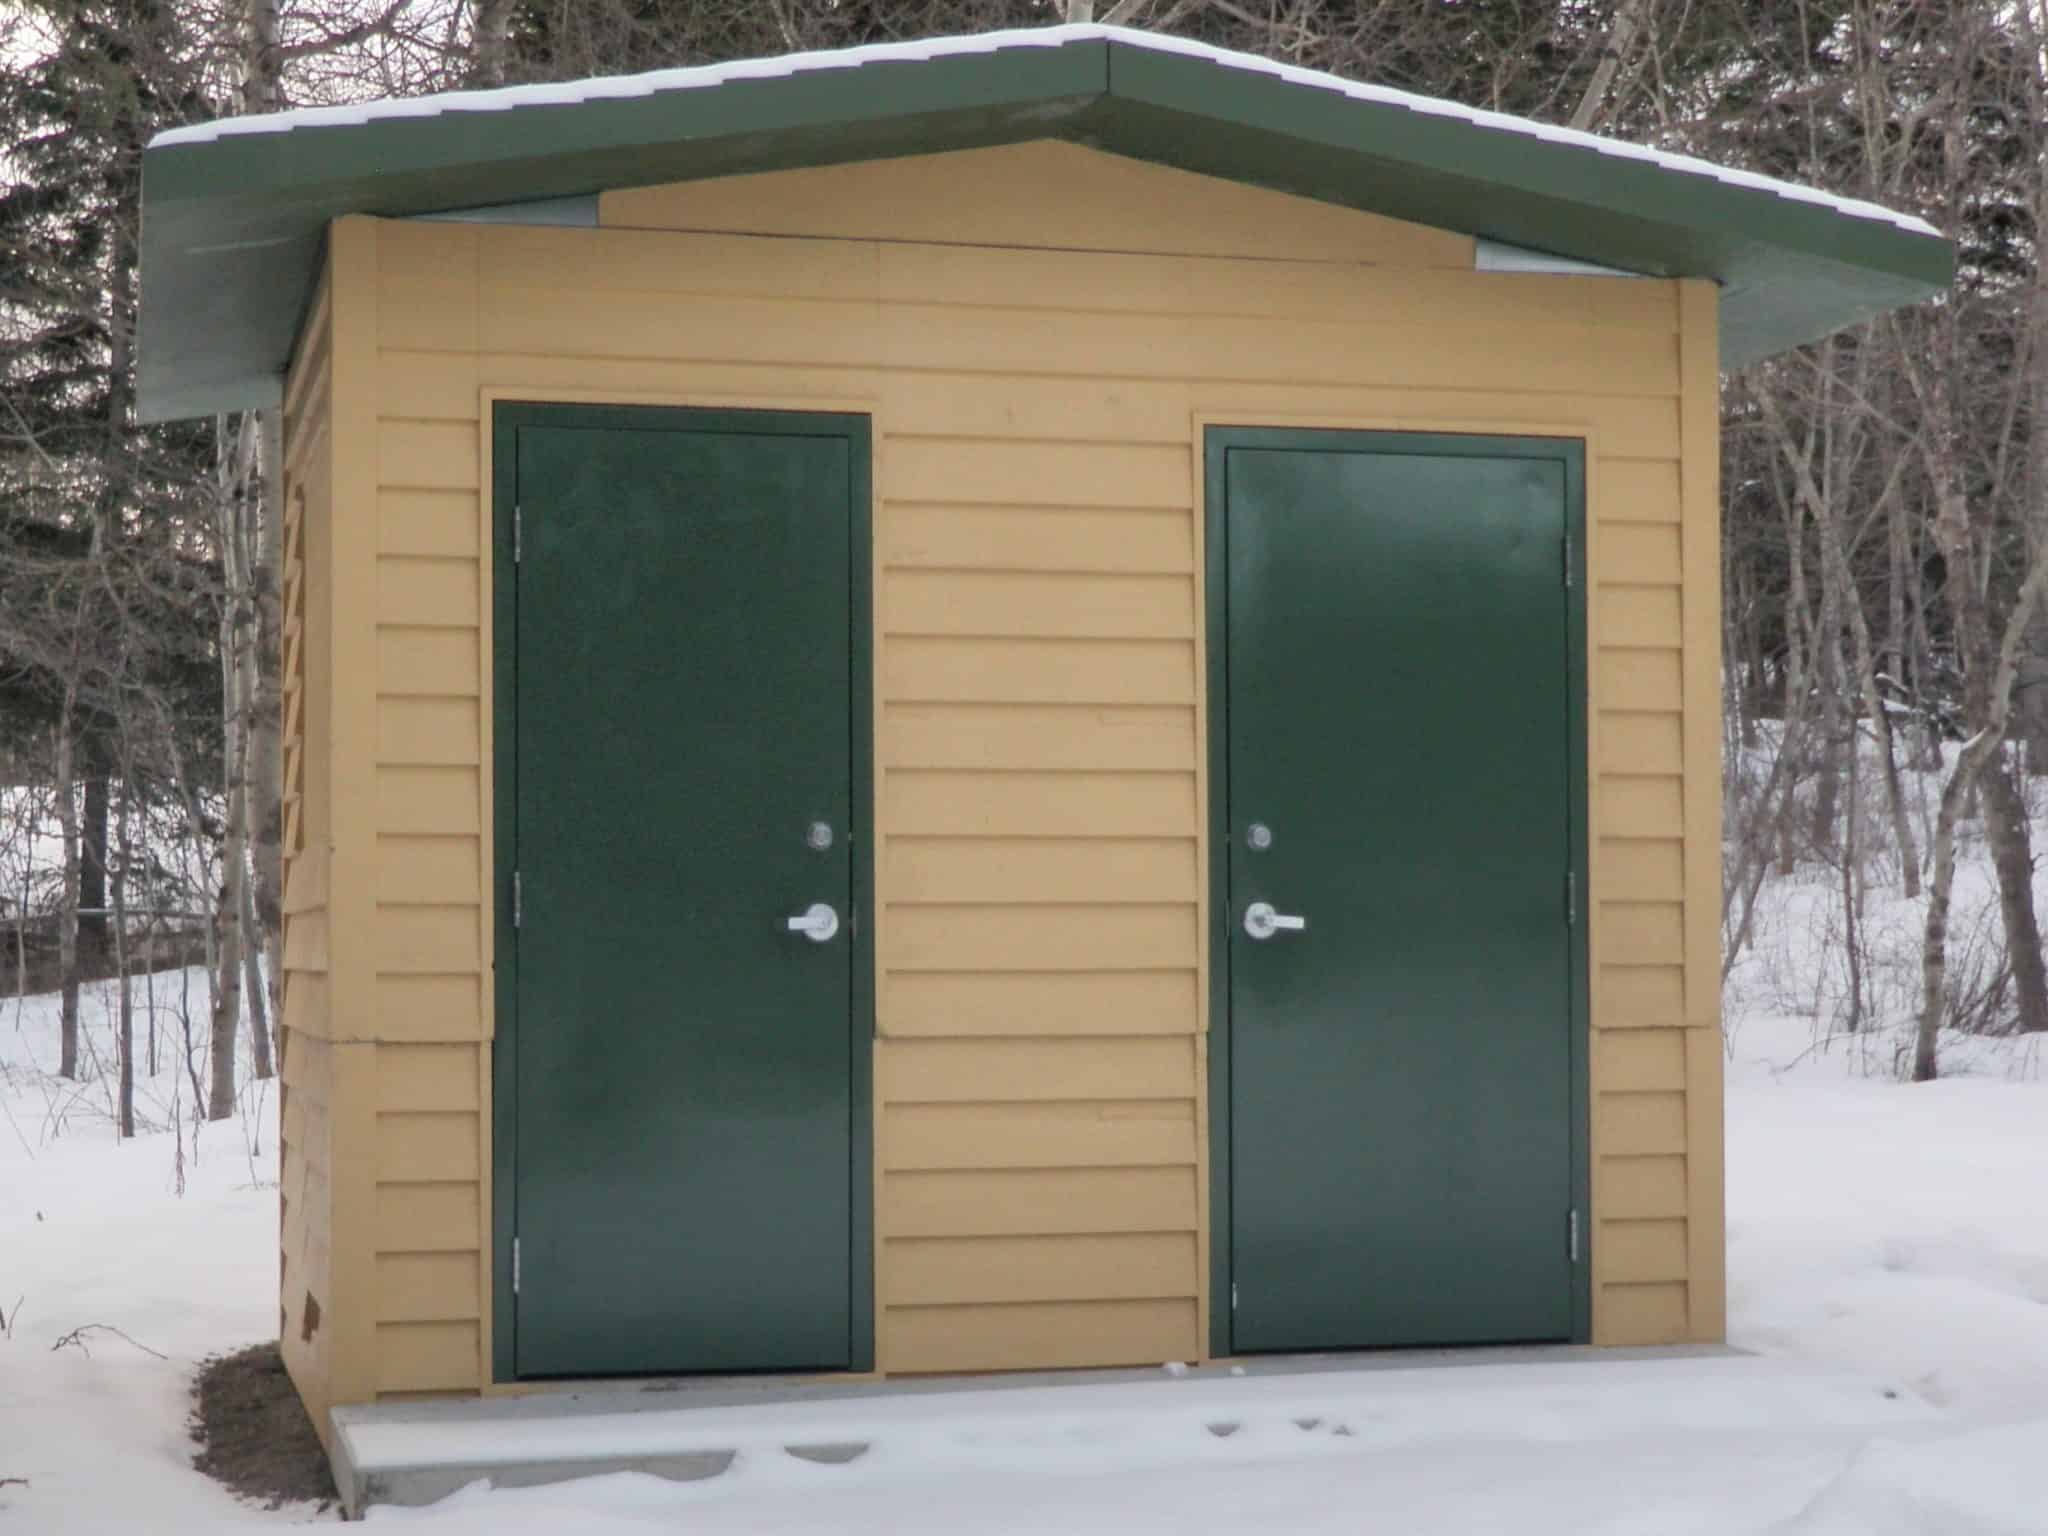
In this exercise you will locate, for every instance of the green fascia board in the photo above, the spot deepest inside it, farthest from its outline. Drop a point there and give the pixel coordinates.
(233, 227)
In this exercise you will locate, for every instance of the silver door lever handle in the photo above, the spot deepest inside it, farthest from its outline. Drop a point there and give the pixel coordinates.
(1262, 922)
(817, 922)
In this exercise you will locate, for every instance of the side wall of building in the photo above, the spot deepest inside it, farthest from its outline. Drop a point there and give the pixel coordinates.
(1039, 333)
(306, 1152)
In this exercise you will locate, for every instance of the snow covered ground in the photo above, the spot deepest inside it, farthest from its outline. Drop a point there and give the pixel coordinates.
(1888, 1266)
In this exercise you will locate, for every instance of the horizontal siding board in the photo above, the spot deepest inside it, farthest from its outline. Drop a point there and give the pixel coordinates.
(1640, 743)
(421, 1148)
(924, 669)
(1039, 938)
(429, 1008)
(974, 804)
(1639, 996)
(1386, 297)
(427, 594)
(1646, 553)
(1639, 1124)
(1639, 1060)
(1038, 1201)
(432, 871)
(1031, 604)
(1329, 350)
(1641, 805)
(1640, 1315)
(1105, 1267)
(992, 471)
(428, 939)
(1638, 490)
(427, 386)
(427, 1287)
(428, 1218)
(433, 800)
(1646, 932)
(1018, 870)
(1638, 616)
(1039, 539)
(1640, 869)
(665, 262)
(1041, 1003)
(1636, 680)
(305, 941)
(1076, 736)
(434, 732)
(415, 660)
(417, 307)
(1103, 1135)
(427, 1077)
(1026, 1070)
(1638, 1251)
(428, 1357)
(427, 455)
(1039, 1336)
(1631, 1187)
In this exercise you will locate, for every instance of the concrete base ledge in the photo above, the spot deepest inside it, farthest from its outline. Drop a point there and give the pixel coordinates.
(417, 1452)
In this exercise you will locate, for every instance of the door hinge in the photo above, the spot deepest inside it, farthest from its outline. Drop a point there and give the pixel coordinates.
(1233, 1295)
(518, 521)
(1571, 897)
(1567, 560)
(515, 1266)
(518, 906)
(1571, 1227)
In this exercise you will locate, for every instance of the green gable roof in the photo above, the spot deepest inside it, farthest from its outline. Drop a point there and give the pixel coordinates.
(233, 213)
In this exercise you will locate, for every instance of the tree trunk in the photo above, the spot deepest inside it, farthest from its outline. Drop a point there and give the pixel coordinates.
(2012, 856)
(263, 781)
(67, 909)
(92, 867)
(489, 43)
(126, 1038)
(227, 1002)
(252, 978)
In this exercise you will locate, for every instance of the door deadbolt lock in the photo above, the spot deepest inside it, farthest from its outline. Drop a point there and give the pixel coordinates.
(1262, 922)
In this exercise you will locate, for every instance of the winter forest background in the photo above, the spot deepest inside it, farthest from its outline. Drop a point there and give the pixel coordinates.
(1886, 491)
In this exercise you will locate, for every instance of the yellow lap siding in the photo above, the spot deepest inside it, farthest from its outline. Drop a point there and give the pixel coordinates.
(1012, 736)
(1040, 1002)
(1020, 870)
(1067, 605)
(947, 1271)
(1088, 540)
(921, 669)
(1037, 1202)
(427, 1356)
(1039, 1336)
(426, 1008)
(1040, 938)
(996, 1071)
(1640, 742)
(1641, 1187)
(424, 1218)
(1039, 768)
(1630, 1314)
(1139, 1134)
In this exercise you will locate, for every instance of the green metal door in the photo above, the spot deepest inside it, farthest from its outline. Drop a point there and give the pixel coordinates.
(1398, 762)
(681, 1071)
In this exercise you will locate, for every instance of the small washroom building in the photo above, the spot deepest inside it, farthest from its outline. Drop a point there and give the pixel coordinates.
(1023, 701)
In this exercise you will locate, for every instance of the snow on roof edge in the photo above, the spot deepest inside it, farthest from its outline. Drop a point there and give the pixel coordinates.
(701, 76)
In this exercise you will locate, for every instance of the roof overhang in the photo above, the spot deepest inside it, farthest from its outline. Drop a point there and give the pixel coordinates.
(234, 213)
